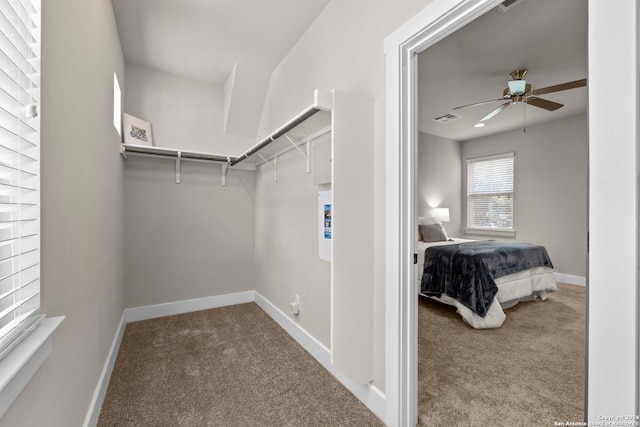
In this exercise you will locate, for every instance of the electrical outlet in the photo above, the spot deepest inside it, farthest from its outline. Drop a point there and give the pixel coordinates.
(295, 306)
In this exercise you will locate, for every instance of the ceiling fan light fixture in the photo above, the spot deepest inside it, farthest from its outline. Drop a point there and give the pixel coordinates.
(517, 87)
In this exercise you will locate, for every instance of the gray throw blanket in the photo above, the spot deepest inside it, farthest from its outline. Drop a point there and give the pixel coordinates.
(466, 271)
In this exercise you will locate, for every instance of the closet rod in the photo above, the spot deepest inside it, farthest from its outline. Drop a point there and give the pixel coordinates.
(169, 152)
(323, 101)
(277, 134)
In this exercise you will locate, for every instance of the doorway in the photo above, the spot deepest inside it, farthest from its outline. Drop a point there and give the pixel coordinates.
(606, 393)
(523, 357)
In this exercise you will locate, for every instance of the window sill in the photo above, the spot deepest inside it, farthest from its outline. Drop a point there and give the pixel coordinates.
(19, 365)
(491, 232)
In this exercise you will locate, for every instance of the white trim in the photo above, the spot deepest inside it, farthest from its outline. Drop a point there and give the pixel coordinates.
(613, 374)
(369, 394)
(168, 309)
(436, 21)
(509, 155)
(613, 365)
(22, 362)
(491, 232)
(570, 279)
(103, 381)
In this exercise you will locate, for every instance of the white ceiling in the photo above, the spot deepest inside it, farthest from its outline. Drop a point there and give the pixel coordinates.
(215, 42)
(203, 39)
(547, 37)
(242, 41)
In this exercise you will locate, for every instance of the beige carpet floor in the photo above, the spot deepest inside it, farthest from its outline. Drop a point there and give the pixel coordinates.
(529, 372)
(230, 366)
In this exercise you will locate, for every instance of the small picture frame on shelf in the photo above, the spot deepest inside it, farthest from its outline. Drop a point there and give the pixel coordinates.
(136, 131)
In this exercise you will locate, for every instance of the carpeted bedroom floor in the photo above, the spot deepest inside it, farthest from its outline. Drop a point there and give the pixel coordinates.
(234, 366)
(529, 372)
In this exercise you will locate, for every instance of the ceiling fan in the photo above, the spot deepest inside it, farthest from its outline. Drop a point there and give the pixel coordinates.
(519, 90)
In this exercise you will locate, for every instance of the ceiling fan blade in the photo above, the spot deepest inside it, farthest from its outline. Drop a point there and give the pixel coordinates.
(558, 88)
(478, 103)
(543, 103)
(496, 111)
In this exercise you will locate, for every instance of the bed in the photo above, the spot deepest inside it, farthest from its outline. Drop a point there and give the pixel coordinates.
(512, 287)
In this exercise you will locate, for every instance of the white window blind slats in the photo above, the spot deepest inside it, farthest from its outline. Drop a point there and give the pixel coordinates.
(18, 35)
(11, 266)
(15, 247)
(21, 67)
(10, 284)
(11, 300)
(18, 212)
(21, 139)
(13, 316)
(490, 192)
(15, 154)
(18, 159)
(10, 113)
(10, 194)
(8, 84)
(20, 42)
(17, 9)
(15, 141)
(12, 177)
(13, 230)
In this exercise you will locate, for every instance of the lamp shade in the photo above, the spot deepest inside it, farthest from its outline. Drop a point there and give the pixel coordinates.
(441, 214)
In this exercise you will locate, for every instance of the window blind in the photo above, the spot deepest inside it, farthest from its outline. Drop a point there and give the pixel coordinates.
(19, 168)
(490, 192)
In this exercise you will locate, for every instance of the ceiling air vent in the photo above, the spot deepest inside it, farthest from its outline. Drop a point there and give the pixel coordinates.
(508, 4)
(446, 118)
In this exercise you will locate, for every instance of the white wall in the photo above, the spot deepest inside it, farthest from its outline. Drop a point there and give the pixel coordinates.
(184, 114)
(194, 239)
(613, 333)
(188, 240)
(440, 179)
(550, 201)
(286, 244)
(81, 210)
(343, 50)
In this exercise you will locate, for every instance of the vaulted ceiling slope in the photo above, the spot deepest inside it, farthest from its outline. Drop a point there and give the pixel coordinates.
(231, 43)
(546, 37)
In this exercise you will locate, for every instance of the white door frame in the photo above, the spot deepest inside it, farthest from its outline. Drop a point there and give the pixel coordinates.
(612, 390)
(439, 19)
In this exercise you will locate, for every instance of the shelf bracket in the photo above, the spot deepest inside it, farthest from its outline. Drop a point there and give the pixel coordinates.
(225, 168)
(306, 156)
(273, 166)
(178, 167)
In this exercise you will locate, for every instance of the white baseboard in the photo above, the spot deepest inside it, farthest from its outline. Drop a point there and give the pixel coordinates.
(570, 279)
(168, 309)
(103, 381)
(368, 394)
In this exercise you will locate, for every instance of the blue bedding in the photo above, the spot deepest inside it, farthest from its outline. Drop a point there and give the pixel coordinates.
(467, 271)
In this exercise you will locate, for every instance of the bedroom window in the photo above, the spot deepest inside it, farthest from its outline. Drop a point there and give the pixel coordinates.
(490, 194)
(25, 334)
(19, 168)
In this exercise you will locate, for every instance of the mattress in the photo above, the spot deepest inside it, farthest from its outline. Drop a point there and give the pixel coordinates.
(512, 289)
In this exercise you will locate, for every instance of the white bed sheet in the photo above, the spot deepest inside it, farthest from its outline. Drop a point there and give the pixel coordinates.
(512, 289)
